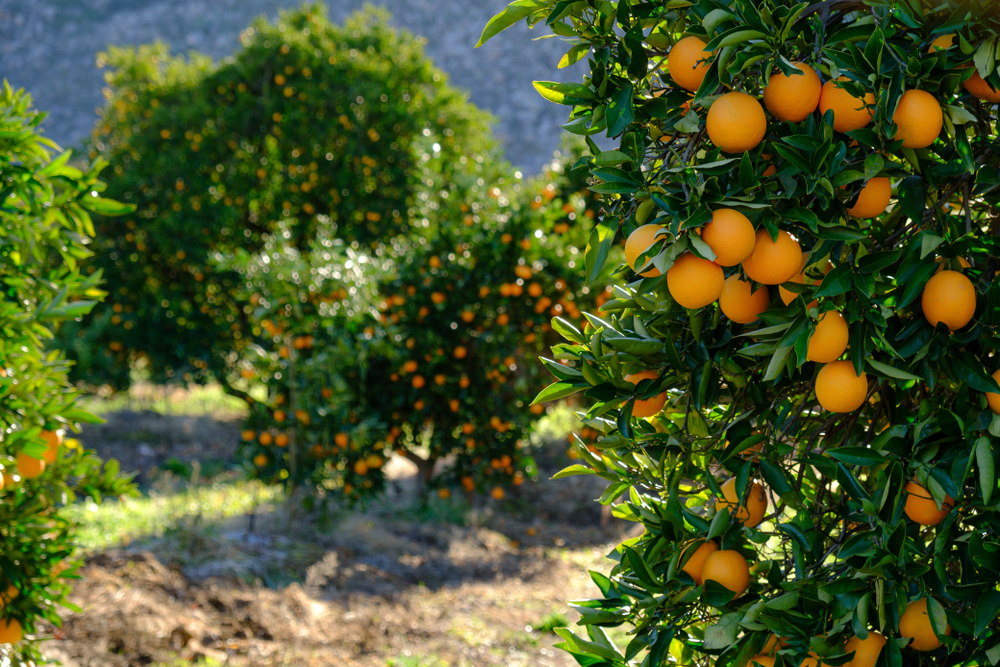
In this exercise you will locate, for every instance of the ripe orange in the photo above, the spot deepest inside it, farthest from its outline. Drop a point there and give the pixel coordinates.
(978, 87)
(922, 509)
(873, 198)
(762, 660)
(29, 467)
(866, 651)
(341, 439)
(918, 119)
(266, 438)
(281, 440)
(360, 467)
(649, 406)
(248, 435)
(829, 340)
(792, 98)
(260, 460)
(942, 42)
(849, 112)
(683, 65)
(410, 366)
(949, 297)
(444, 494)
(916, 623)
(10, 631)
(752, 512)
(736, 122)
(728, 568)
(773, 262)
(730, 235)
(279, 416)
(460, 352)
(418, 381)
(992, 398)
(787, 296)
(694, 282)
(696, 559)
(738, 304)
(9, 596)
(53, 439)
(497, 493)
(639, 242)
(838, 389)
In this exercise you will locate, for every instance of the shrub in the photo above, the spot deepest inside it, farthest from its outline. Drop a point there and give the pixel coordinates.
(46, 221)
(348, 130)
(815, 474)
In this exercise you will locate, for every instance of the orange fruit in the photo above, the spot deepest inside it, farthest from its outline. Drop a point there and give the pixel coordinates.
(694, 282)
(639, 242)
(650, 406)
(773, 262)
(683, 65)
(849, 112)
(978, 87)
(949, 297)
(696, 559)
(812, 660)
(838, 389)
(942, 42)
(792, 98)
(9, 596)
(736, 122)
(248, 435)
(410, 366)
(341, 439)
(866, 651)
(728, 568)
(360, 467)
(787, 296)
(279, 416)
(730, 235)
(497, 493)
(460, 352)
(963, 262)
(992, 398)
(281, 440)
(918, 119)
(737, 302)
(418, 381)
(916, 624)
(773, 642)
(260, 460)
(829, 340)
(762, 660)
(53, 439)
(873, 198)
(266, 438)
(752, 512)
(10, 631)
(29, 467)
(922, 509)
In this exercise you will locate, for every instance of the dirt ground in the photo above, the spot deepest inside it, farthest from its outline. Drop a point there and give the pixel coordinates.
(392, 586)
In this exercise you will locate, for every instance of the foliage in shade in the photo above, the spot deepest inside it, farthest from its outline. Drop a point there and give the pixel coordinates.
(839, 554)
(46, 224)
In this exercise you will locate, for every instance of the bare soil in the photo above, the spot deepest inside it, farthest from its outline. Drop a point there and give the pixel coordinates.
(394, 585)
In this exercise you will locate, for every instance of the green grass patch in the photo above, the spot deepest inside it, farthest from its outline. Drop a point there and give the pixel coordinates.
(417, 661)
(550, 623)
(117, 522)
(165, 400)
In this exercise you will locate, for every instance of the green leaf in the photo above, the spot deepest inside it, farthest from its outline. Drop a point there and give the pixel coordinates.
(783, 602)
(575, 469)
(108, 207)
(563, 93)
(857, 456)
(986, 610)
(620, 112)
(598, 248)
(835, 283)
(558, 390)
(891, 371)
(513, 13)
(723, 633)
(987, 474)
(777, 362)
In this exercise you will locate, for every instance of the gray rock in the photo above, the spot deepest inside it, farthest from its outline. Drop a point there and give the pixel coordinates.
(48, 47)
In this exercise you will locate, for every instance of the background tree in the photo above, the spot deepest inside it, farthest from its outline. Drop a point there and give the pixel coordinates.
(46, 222)
(345, 129)
(794, 385)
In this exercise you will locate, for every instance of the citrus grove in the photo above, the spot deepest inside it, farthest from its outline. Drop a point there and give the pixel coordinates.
(46, 218)
(794, 385)
(328, 229)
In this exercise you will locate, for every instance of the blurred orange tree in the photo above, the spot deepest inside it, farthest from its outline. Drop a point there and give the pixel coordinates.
(46, 221)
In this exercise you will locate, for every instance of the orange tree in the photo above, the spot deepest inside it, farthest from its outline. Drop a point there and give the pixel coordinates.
(422, 349)
(46, 221)
(346, 128)
(795, 383)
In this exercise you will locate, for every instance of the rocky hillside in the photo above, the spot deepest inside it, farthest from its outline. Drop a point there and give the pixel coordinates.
(49, 48)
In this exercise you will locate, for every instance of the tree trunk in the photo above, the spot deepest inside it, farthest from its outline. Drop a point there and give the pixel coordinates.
(425, 471)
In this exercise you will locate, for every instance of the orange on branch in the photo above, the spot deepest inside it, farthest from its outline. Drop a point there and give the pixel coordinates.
(918, 119)
(839, 389)
(10, 631)
(793, 98)
(736, 122)
(849, 112)
(639, 242)
(650, 406)
(683, 65)
(773, 262)
(730, 235)
(830, 338)
(739, 304)
(694, 282)
(696, 557)
(921, 508)
(915, 623)
(28, 467)
(866, 651)
(729, 568)
(979, 88)
(53, 440)
(993, 398)
(949, 297)
(752, 511)
(873, 198)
